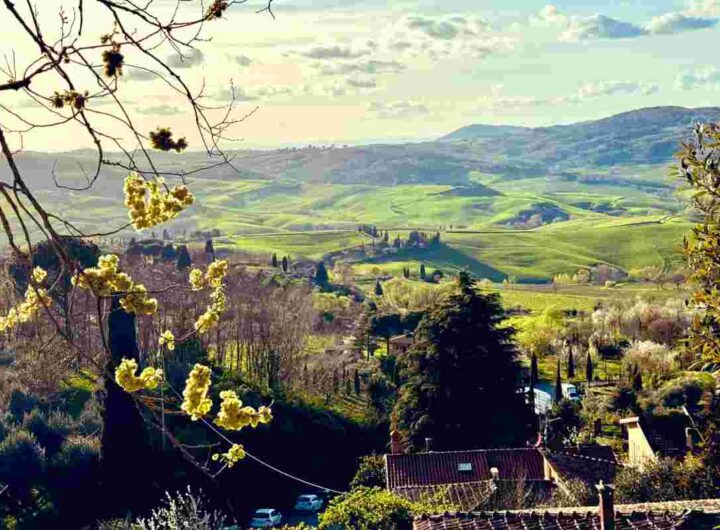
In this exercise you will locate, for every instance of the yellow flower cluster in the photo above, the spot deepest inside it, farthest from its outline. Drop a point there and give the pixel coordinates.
(105, 280)
(213, 278)
(149, 206)
(195, 396)
(125, 377)
(233, 416)
(233, 455)
(35, 298)
(167, 339)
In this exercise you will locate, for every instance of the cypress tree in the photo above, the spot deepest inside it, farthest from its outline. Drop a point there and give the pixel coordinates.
(183, 259)
(406, 272)
(210, 250)
(588, 367)
(422, 271)
(558, 383)
(285, 264)
(356, 382)
(321, 275)
(274, 260)
(534, 376)
(571, 364)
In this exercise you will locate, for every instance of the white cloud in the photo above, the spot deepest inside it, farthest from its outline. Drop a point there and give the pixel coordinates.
(369, 67)
(678, 22)
(187, 60)
(705, 77)
(447, 27)
(332, 52)
(398, 109)
(496, 99)
(599, 26)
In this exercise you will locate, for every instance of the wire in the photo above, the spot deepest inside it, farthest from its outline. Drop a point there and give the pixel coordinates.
(288, 475)
(256, 459)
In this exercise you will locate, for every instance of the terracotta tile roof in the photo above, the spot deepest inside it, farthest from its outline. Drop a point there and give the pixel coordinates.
(465, 496)
(590, 464)
(436, 468)
(686, 520)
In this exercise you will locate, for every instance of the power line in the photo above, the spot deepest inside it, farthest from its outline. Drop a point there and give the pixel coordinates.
(293, 477)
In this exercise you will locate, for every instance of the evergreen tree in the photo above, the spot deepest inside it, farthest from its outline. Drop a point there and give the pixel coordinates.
(183, 257)
(588, 367)
(422, 271)
(462, 376)
(386, 237)
(274, 261)
(571, 364)
(534, 375)
(406, 272)
(558, 383)
(321, 276)
(378, 288)
(166, 235)
(356, 382)
(285, 264)
(210, 250)
(168, 253)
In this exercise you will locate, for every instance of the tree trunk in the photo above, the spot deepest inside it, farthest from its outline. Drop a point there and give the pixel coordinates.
(125, 449)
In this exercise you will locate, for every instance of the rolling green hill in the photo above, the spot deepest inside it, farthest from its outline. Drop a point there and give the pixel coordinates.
(507, 200)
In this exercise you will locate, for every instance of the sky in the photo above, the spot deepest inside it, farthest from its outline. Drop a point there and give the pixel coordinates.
(354, 72)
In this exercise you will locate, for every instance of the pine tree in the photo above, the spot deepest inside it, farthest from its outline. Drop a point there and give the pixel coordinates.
(285, 264)
(274, 261)
(570, 365)
(558, 383)
(588, 367)
(422, 271)
(378, 288)
(463, 355)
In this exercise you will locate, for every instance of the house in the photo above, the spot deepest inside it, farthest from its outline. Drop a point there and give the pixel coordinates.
(485, 477)
(400, 344)
(648, 441)
(676, 515)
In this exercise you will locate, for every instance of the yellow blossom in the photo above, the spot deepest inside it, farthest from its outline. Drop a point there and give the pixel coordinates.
(197, 280)
(35, 298)
(233, 416)
(106, 280)
(148, 205)
(195, 400)
(167, 339)
(233, 455)
(39, 275)
(125, 377)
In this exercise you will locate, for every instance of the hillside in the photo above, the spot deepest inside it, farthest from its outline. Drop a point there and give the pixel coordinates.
(513, 200)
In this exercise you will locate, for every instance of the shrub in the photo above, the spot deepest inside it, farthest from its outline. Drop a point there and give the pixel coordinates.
(622, 399)
(183, 511)
(22, 461)
(368, 509)
(370, 473)
(76, 391)
(50, 429)
(89, 422)
(652, 359)
(684, 390)
(20, 404)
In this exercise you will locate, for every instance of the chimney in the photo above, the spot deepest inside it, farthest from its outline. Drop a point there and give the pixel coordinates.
(428, 445)
(607, 506)
(689, 438)
(395, 442)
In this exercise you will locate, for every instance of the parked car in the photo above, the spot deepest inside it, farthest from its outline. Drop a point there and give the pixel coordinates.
(308, 503)
(266, 518)
(570, 392)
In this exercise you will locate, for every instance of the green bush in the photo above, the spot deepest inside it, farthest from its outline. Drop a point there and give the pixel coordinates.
(370, 473)
(76, 391)
(89, 422)
(22, 461)
(20, 404)
(50, 429)
(368, 509)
